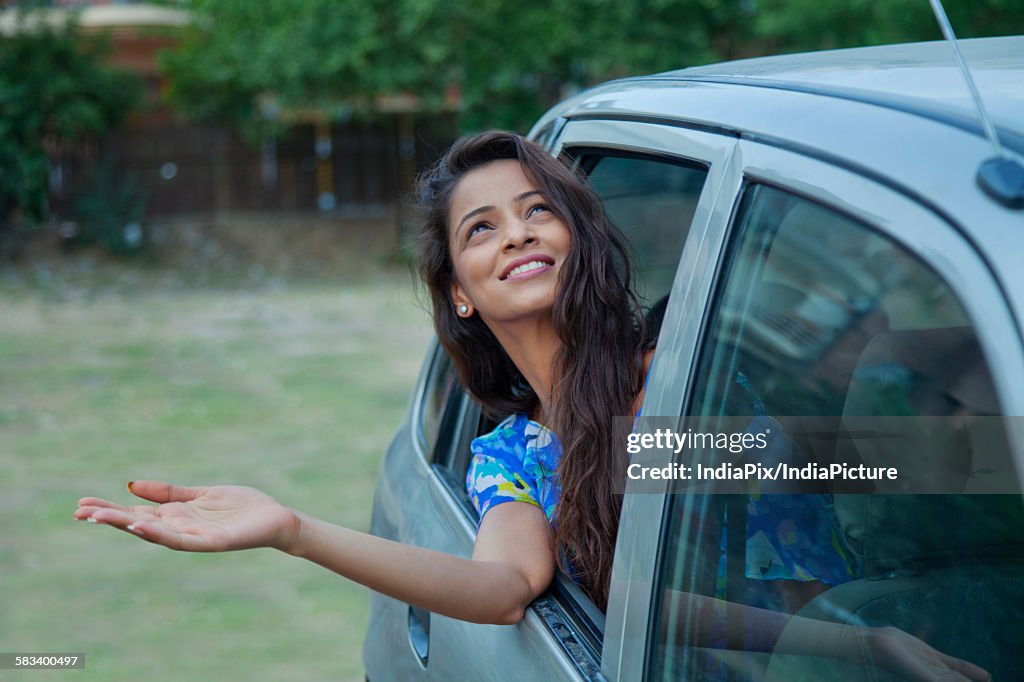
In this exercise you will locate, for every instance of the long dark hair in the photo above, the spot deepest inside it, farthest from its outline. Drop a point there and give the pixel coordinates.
(596, 314)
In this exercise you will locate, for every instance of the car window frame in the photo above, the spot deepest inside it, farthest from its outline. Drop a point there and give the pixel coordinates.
(571, 618)
(584, 143)
(900, 216)
(628, 605)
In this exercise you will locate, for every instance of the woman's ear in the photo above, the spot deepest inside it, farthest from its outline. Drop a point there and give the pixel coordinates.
(463, 307)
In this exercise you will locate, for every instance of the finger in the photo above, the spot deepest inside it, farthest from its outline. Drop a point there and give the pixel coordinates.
(100, 502)
(113, 517)
(153, 530)
(160, 533)
(158, 491)
(966, 668)
(122, 520)
(85, 512)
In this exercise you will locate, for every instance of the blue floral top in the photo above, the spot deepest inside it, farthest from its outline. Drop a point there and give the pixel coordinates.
(789, 537)
(515, 462)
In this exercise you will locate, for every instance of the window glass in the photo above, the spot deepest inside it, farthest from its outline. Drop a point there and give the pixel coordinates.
(442, 383)
(818, 315)
(652, 201)
(547, 134)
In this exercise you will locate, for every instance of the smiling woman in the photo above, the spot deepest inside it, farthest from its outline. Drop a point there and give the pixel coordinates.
(533, 300)
(532, 297)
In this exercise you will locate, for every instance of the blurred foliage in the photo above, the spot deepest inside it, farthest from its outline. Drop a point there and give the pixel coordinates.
(248, 62)
(53, 88)
(798, 25)
(110, 212)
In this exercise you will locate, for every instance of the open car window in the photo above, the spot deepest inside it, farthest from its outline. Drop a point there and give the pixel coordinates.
(652, 199)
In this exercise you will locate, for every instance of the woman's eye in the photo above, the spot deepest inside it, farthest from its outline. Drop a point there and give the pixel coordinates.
(537, 208)
(479, 227)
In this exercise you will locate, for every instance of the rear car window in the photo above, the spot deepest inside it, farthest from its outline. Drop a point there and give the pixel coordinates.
(652, 200)
(441, 387)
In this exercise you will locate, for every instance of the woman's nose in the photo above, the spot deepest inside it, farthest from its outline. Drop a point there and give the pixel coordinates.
(518, 233)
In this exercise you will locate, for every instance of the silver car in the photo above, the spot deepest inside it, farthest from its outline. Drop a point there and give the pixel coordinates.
(814, 223)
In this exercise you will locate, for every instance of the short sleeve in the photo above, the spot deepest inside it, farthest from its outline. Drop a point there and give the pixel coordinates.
(497, 473)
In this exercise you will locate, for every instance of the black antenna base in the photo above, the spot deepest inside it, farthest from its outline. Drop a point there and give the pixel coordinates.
(1002, 178)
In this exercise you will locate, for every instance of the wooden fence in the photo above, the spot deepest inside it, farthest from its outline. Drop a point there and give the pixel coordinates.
(192, 170)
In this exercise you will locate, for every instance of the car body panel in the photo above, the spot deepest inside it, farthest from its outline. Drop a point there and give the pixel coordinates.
(890, 73)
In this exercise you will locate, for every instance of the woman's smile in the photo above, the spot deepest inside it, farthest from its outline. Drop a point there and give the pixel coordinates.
(528, 266)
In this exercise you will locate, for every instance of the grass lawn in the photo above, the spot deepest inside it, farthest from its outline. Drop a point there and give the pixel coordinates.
(294, 389)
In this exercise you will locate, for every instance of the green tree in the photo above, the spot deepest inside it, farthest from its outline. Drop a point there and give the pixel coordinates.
(245, 62)
(800, 25)
(53, 88)
(242, 61)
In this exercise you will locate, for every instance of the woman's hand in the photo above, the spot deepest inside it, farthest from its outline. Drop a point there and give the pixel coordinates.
(218, 518)
(902, 653)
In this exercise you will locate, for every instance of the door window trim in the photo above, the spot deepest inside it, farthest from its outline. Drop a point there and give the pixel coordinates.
(628, 609)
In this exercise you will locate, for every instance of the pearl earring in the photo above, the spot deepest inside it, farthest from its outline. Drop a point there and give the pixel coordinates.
(463, 309)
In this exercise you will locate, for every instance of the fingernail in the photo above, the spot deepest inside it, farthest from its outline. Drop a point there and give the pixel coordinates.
(91, 520)
(130, 486)
(133, 529)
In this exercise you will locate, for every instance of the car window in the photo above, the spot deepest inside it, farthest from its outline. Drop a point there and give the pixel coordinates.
(652, 200)
(441, 387)
(817, 314)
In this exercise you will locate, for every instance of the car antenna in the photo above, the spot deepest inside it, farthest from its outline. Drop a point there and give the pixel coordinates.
(1001, 177)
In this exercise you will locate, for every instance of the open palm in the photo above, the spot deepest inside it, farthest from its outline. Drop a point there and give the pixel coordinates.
(197, 519)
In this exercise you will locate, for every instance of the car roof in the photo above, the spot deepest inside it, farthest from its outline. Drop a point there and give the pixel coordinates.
(918, 78)
(922, 76)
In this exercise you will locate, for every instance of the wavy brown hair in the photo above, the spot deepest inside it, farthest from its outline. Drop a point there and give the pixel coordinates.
(596, 314)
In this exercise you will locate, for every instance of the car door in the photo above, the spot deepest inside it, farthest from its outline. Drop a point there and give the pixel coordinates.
(821, 292)
(659, 185)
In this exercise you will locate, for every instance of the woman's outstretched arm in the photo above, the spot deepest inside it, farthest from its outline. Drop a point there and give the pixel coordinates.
(513, 559)
(512, 564)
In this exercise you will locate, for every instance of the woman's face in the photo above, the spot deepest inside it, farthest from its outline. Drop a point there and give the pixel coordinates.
(507, 246)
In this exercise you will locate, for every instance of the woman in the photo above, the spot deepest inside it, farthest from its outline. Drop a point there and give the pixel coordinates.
(532, 299)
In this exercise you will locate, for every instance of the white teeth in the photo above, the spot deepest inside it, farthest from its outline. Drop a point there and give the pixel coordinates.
(526, 267)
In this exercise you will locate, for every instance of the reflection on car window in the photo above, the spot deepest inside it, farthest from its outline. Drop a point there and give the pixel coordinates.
(818, 315)
(442, 381)
(652, 201)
